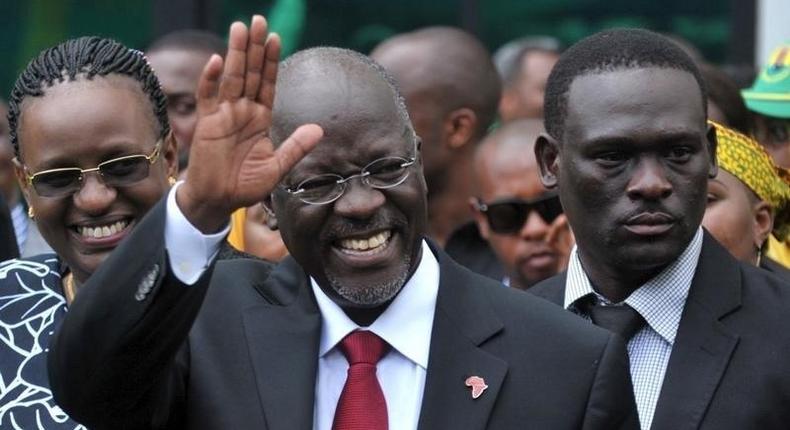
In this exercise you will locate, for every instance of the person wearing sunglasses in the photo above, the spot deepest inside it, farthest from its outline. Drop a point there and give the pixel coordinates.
(517, 221)
(93, 153)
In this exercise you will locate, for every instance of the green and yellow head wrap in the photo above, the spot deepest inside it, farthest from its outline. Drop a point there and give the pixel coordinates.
(747, 160)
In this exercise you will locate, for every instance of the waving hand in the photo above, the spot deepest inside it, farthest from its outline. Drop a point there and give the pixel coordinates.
(232, 160)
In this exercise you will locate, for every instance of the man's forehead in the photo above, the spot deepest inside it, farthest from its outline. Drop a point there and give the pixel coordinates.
(336, 99)
(622, 100)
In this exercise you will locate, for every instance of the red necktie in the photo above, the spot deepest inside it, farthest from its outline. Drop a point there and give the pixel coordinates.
(362, 405)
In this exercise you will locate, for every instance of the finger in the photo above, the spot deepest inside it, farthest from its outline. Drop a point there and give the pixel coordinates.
(297, 145)
(232, 83)
(270, 65)
(255, 55)
(208, 85)
(556, 228)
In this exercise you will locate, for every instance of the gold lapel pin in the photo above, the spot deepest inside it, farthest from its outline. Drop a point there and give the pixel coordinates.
(477, 384)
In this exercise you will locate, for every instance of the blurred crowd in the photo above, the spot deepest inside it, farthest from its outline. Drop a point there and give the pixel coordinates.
(95, 135)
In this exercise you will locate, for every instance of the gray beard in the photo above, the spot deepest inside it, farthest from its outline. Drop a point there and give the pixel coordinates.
(375, 294)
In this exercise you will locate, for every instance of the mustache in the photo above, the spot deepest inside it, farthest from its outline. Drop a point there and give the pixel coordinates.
(343, 227)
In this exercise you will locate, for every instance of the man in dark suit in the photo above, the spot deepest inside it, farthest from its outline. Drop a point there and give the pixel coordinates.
(628, 148)
(367, 325)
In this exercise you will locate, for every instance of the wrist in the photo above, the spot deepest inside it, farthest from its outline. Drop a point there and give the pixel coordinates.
(208, 219)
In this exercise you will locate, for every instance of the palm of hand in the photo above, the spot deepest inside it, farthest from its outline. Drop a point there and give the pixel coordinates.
(233, 163)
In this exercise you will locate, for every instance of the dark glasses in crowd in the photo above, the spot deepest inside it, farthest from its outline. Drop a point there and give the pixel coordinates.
(117, 172)
(509, 216)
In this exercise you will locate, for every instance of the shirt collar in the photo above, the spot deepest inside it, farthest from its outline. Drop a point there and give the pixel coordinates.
(660, 301)
(406, 324)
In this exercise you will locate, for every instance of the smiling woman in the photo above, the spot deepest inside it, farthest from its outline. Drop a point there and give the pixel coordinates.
(94, 152)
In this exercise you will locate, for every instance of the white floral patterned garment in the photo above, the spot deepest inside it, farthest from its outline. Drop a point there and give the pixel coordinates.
(32, 307)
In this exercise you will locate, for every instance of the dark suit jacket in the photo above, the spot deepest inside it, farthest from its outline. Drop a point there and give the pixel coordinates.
(730, 365)
(470, 250)
(138, 349)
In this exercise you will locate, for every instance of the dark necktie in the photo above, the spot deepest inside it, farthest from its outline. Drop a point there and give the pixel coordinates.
(620, 319)
(362, 405)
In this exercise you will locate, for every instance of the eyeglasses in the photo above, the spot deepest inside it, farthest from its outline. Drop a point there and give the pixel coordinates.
(383, 173)
(508, 216)
(117, 172)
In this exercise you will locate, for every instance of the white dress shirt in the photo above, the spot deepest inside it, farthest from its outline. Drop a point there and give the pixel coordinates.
(660, 301)
(406, 325)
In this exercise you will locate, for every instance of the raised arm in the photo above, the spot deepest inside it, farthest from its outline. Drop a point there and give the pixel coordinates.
(233, 163)
(117, 359)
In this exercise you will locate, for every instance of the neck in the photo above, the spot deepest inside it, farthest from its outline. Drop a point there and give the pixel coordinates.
(448, 207)
(612, 280)
(366, 316)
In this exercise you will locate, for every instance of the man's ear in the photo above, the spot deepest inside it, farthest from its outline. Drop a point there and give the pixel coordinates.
(547, 153)
(271, 217)
(710, 135)
(170, 154)
(480, 218)
(763, 222)
(459, 127)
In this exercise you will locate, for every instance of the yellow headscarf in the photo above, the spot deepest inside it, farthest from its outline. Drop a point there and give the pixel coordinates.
(748, 161)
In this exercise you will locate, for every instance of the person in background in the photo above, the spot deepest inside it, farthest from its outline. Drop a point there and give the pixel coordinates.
(253, 230)
(736, 215)
(178, 59)
(93, 153)
(725, 103)
(630, 152)
(769, 101)
(524, 83)
(28, 239)
(516, 219)
(747, 200)
(452, 90)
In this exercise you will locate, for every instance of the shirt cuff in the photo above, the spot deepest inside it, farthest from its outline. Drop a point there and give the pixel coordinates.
(189, 250)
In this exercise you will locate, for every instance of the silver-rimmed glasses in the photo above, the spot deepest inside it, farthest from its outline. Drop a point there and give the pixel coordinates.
(383, 173)
(119, 171)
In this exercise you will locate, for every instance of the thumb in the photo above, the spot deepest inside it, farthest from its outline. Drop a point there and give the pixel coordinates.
(297, 145)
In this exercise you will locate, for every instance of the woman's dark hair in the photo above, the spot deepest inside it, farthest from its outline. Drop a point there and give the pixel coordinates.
(87, 56)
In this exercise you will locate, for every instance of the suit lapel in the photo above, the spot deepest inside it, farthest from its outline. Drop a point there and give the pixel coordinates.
(552, 289)
(283, 340)
(703, 345)
(463, 321)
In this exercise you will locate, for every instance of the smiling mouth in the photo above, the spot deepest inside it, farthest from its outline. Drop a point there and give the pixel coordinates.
(366, 245)
(103, 230)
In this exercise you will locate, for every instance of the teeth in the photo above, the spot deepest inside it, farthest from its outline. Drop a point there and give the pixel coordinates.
(102, 231)
(372, 242)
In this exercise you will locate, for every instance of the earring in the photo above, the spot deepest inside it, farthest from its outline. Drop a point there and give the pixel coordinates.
(171, 180)
(759, 254)
(31, 213)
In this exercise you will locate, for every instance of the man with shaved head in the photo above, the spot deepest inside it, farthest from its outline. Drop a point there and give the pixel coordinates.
(451, 89)
(367, 325)
(520, 219)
